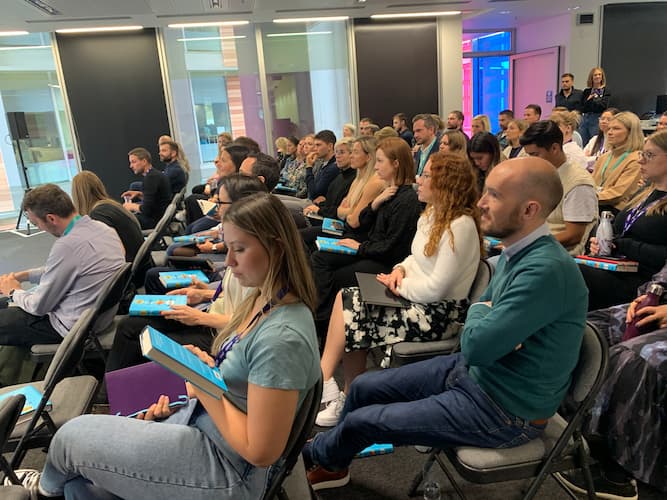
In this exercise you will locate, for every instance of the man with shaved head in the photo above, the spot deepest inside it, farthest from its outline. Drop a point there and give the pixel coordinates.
(519, 346)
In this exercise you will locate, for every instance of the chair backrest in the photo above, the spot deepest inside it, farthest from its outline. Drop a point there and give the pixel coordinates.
(591, 368)
(301, 428)
(10, 410)
(481, 281)
(107, 301)
(143, 252)
(70, 351)
(163, 223)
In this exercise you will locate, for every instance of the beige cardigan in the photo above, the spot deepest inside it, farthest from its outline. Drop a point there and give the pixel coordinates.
(618, 185)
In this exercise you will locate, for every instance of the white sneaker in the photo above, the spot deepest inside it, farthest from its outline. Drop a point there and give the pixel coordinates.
(331, 414)
(29, 479)
(330, 391)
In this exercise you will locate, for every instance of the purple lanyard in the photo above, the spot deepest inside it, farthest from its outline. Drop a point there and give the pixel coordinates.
(231, 342)
(638, 212)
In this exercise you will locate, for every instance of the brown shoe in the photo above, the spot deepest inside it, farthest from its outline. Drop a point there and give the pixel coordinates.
(322, 479)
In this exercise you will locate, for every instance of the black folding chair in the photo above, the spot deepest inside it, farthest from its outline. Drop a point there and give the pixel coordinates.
(301, 429)
(70, 396)
(562, 446)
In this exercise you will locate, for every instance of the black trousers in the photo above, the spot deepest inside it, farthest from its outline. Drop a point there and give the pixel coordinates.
(126, 350)
(334, 271)
(20, 328)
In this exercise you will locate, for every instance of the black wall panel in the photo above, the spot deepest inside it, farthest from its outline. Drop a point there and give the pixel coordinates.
(115, 90)
(633, 54)
(397, 68)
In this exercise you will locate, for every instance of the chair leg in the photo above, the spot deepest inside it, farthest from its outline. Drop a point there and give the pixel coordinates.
(450, 477)
(586, 469)
(419, 478)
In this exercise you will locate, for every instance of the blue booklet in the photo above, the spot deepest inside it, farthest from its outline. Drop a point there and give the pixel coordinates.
(285, 189)
(180, 279)
(32, 400)
(176, 358)
(191, 238)
(331, 245)
(375, 449)
(333, 226)
(153, 305)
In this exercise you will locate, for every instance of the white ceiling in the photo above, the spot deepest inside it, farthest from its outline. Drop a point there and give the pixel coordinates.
(21, 15)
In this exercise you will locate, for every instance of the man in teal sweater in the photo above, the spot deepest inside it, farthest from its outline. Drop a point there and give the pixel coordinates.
(519, 345)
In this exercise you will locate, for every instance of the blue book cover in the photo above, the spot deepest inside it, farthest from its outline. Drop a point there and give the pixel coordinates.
(333, 226)
(180, 279)
(176, 358)
(375, 449)
(282, 187)
(190, 238)
(331, 245)
(32, 400)
(621, 265)
(153, 305)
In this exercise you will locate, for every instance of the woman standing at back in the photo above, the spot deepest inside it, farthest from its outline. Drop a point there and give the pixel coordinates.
(593, 102)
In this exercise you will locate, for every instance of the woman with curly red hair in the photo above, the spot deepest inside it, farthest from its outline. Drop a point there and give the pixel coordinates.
(436, 278)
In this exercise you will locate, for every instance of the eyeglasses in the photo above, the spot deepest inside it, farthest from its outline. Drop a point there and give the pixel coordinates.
(648, 155)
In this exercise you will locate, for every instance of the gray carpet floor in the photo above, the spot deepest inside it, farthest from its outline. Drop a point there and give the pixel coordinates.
(18, 253)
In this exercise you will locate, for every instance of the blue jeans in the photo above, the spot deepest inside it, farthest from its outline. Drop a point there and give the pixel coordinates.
(589, 126)
(108, 457)
(431, 403)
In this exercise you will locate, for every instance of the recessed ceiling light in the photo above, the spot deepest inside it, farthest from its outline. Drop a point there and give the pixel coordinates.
(203, 25)
(311, 19)
(13, 33)
(574, 8)
(100, 29)
(417, 14)
(26, 47)
(302, 33)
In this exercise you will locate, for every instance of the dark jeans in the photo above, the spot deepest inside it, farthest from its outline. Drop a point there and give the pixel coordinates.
(192, 208)
(589, 127)
(609, 288)
(333, 271)
(431, 403)
(20, 328)
(145, 222)
(126, 350)
(202, 224)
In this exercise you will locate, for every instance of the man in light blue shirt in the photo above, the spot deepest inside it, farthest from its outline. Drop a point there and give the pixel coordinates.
(85, 255)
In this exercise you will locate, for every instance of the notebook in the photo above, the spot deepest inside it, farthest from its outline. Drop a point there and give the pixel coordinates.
(333, 226)
(608, 263)
(153, 305)
(331, 245)
(132, 390)
(374, 292)
(182, 279)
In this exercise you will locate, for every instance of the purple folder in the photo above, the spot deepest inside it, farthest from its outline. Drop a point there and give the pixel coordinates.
(132, 390)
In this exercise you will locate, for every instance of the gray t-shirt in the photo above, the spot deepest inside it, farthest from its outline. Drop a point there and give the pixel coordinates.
(280, 353)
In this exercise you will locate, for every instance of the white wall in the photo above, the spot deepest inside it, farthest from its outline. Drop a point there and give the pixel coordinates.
(579, 43)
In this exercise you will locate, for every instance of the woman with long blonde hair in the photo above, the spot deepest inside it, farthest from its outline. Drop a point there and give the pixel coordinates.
(365, 186)
(436, 278)
(218, 448)
(90, 198)
(616, 173)
(594, 101)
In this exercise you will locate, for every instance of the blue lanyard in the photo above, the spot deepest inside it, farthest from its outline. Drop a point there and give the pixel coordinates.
(231, 342)
(638, 211)
(614, 167)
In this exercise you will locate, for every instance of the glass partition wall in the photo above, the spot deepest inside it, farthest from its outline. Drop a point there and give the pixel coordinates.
(35, 142)
(263, 80)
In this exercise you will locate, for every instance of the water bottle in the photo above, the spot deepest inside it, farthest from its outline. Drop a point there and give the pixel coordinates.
(652, 299)
(605, 234)
(431, 490)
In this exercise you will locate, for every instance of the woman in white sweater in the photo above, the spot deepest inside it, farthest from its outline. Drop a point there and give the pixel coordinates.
(436, 279)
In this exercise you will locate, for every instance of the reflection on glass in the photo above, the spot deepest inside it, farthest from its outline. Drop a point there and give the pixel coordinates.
(307, 77)
(35, 143)
(485, 78)
(213, 72)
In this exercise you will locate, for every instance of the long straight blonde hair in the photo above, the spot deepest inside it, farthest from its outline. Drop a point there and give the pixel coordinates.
(365, 174)
(265, 217)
